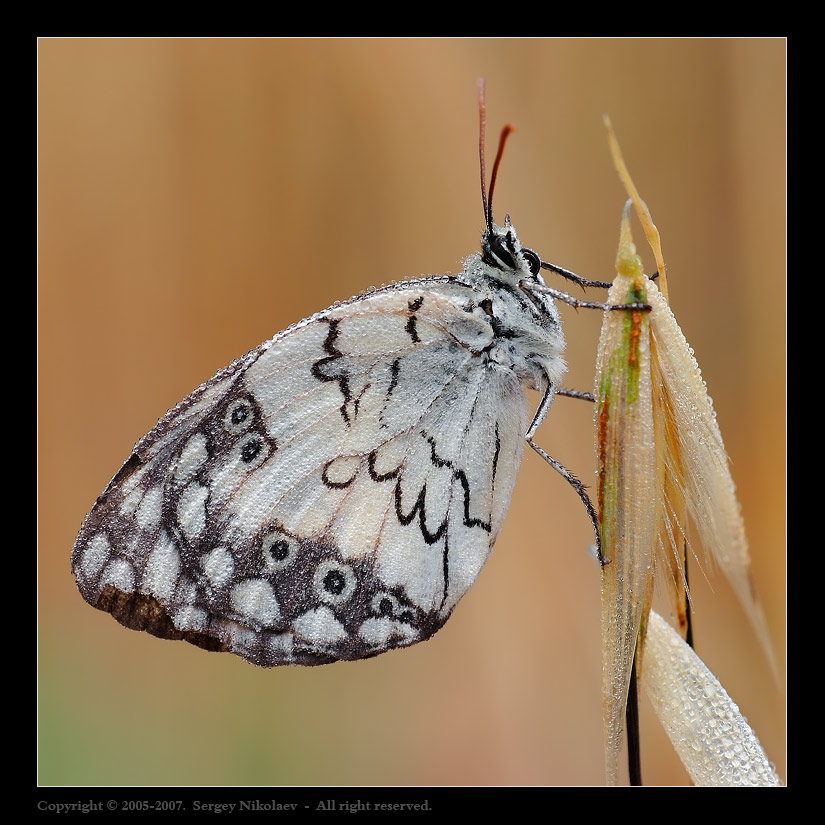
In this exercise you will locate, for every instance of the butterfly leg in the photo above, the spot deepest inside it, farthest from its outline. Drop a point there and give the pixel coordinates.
(572, 480)
(571, 276)
(583, 396)
(583, 282)
(541, 289)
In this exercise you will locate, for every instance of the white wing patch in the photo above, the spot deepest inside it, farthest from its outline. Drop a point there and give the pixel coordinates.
(219, 567)
(335, 493)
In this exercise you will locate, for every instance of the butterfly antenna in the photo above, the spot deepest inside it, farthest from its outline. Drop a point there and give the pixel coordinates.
(487, 199)
(505, 133)
(482, 113)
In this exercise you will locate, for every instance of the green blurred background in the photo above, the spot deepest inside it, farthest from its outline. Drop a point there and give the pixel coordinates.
(197, 196)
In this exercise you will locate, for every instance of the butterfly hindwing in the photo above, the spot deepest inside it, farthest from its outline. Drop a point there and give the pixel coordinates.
(330, 496)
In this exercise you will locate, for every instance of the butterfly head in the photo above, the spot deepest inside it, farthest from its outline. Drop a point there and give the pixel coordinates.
(501, 248)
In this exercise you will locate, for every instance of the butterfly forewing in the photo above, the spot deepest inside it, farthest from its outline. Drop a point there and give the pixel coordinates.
(331, 495)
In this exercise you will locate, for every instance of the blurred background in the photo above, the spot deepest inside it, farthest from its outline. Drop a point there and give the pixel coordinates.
(197, 196)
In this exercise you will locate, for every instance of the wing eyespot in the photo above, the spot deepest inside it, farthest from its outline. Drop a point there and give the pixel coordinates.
(278, 551)
(250, 450)
(334, 582)
(239, 416)
(385, 605)
(253, 450)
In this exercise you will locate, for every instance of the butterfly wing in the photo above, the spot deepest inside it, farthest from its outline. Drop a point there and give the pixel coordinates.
(330, 496)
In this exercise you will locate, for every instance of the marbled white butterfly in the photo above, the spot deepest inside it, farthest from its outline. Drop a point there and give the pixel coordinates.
(335, 492)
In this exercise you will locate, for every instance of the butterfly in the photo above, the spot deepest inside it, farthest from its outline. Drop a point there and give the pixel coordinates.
(335, 492)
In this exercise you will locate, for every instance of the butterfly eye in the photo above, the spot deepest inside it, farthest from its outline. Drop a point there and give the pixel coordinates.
(334, 582)
(238, 416)
(533, 260)
(501, 252)
(278, 551)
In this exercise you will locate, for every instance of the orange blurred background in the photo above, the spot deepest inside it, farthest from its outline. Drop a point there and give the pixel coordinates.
(197, 196)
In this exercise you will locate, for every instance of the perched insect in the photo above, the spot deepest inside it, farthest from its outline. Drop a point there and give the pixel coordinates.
(335, 492)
